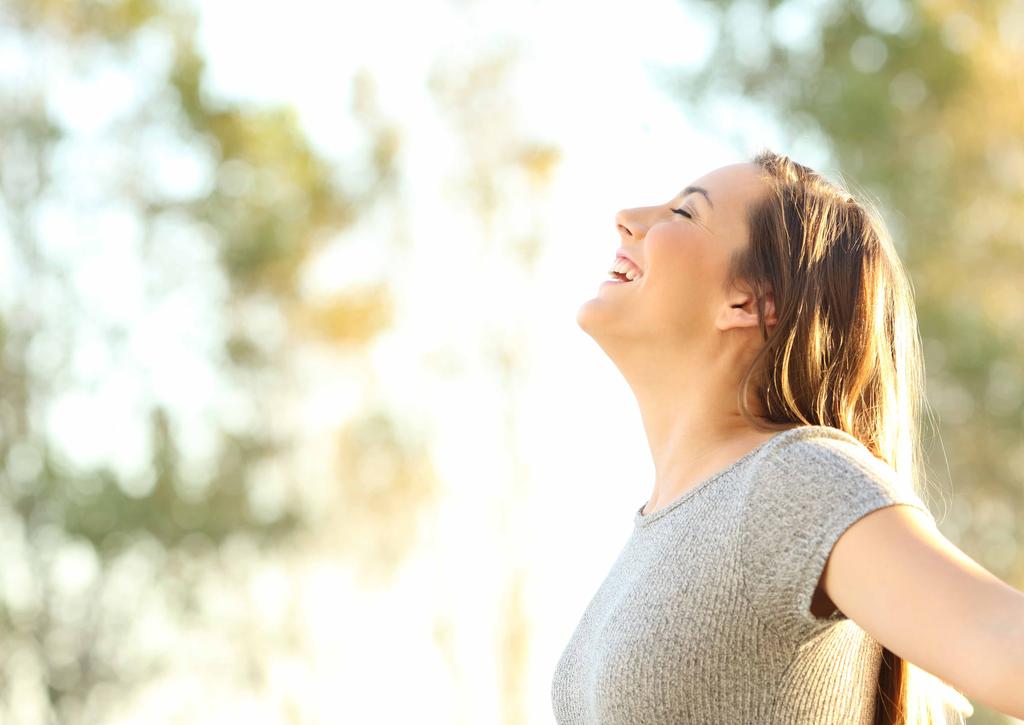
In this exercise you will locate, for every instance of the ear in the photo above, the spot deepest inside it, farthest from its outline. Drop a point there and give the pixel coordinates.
(741, 308)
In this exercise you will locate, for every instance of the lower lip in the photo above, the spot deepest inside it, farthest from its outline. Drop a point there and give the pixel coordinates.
(614, 281)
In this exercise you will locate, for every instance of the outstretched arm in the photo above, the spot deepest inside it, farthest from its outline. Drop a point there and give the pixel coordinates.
(908, 586)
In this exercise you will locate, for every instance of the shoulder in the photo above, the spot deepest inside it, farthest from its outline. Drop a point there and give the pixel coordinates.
(813, 466)
(809, 487)
(820, 448)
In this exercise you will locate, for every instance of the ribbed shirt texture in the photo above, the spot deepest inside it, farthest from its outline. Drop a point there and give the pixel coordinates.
(705, 614)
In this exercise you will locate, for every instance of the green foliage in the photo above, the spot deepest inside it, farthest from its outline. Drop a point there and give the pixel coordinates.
(270, 202)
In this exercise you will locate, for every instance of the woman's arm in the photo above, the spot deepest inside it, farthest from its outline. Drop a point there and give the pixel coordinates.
(916, 593)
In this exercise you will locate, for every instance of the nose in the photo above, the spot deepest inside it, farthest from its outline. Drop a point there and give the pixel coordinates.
(630, 224)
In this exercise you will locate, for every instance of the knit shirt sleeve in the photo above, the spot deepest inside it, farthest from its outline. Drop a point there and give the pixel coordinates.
(802, 497)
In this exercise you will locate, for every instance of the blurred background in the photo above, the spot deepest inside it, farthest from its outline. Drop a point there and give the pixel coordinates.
(296, 422)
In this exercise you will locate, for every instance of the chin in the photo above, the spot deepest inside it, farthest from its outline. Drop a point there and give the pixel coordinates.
(582, 319)
(586, 313)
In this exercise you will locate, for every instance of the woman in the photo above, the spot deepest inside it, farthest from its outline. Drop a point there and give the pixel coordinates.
(767, 329)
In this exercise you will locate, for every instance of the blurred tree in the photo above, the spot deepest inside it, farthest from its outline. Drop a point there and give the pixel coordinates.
(921, 105)
(154, 240)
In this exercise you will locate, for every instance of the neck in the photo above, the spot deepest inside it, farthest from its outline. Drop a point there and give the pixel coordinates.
(690, 412)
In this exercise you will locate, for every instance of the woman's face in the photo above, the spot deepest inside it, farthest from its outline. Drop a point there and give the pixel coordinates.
(683, 249)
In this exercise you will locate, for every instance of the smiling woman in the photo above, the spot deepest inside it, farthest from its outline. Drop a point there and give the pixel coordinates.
(770, 338)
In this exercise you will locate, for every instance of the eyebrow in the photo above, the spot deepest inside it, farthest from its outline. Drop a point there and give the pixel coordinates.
(698, 190)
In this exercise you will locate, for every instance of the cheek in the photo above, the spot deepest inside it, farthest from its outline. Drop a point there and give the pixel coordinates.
(683, 262)
(686, 276)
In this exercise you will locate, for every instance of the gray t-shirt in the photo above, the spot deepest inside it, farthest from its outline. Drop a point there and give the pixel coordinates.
(705, 614)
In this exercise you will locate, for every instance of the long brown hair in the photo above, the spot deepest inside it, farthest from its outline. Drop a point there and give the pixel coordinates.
(845, 352)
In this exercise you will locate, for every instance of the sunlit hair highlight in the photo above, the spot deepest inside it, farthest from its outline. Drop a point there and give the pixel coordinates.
(845, 352)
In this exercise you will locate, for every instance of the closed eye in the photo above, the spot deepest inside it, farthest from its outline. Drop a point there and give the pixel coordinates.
(684, 213)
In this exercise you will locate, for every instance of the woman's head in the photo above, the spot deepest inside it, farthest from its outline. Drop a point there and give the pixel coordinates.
(774, 281)
(684, 249)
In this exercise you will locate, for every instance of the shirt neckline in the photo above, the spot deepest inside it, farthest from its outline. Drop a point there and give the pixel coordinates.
(641, 520)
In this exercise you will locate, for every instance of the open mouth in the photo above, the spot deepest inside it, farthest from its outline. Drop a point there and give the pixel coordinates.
(622, 277)
(623, 270)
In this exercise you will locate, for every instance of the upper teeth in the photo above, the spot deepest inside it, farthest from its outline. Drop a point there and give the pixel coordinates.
(624, 266)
